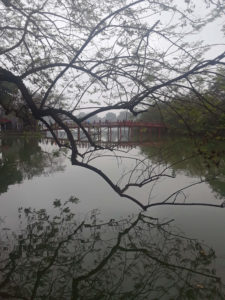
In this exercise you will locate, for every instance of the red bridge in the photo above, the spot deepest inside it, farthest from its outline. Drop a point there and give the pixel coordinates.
(108, 124)
(95, 129)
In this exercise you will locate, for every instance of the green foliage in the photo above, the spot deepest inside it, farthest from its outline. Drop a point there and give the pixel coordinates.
(7, 88)
(195, 112)
(8, 93)
(57, 203)
(73, 199)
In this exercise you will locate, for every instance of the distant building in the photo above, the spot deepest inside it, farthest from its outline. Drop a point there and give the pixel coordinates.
(9, 122)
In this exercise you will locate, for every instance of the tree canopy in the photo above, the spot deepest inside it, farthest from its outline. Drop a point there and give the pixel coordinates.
(194, 113)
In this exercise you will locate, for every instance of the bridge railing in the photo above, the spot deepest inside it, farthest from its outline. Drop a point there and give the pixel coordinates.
(125, 123)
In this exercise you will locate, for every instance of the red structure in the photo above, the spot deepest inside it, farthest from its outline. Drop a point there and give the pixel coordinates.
(5, 123)
(137, 129)
(108, 124)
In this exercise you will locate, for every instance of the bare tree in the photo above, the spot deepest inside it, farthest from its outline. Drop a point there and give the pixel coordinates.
(103, 56)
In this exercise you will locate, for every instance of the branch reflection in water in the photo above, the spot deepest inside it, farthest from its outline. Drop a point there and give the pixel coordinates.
(63, 257)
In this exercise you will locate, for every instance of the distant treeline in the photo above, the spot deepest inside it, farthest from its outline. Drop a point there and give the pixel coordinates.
(197, 112)
(110, 116)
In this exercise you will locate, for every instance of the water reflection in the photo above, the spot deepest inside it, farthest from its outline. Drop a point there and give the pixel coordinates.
(113, 139)
(62, 257)
(23, 158)
(194, 158)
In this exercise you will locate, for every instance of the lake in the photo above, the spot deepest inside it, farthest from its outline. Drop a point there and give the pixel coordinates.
(66, 234)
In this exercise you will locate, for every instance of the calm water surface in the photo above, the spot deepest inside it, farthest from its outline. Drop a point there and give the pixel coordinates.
(33, 174)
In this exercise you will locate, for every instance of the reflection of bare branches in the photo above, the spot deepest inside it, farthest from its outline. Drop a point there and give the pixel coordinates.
(137, 258)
